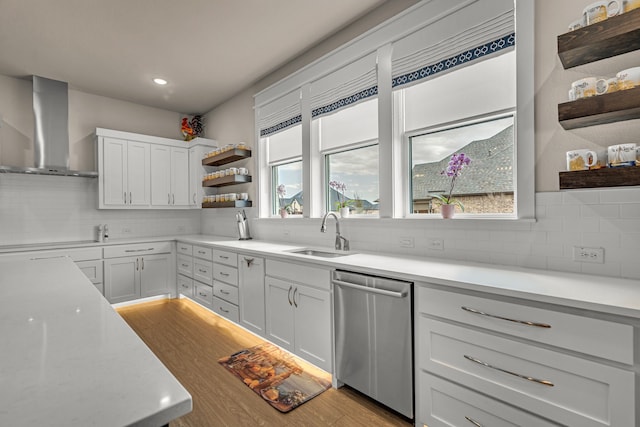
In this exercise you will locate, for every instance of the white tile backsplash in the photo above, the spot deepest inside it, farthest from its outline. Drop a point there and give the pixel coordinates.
(37, 209)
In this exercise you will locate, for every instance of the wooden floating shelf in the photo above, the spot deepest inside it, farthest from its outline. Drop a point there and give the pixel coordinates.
(614, 36)
(605, 177)
(227, 157)
(600, 109)
(227, 180)
(232, 204)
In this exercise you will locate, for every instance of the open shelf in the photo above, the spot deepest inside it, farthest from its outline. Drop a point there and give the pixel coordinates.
(232, 204)
(227, 180)
(614, 36)
(605, 177)
(600, 109)
(227, 157)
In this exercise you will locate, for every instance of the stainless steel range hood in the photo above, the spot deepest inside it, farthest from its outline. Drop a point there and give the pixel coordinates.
(51, 131)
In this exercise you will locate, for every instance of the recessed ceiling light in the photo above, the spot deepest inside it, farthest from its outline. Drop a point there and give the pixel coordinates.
(160, 81)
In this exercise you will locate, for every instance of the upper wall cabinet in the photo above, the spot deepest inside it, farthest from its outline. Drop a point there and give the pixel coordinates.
(614, 36)
(146, 172)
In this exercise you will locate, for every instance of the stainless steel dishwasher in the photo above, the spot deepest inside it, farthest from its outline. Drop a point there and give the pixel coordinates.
(374, 338)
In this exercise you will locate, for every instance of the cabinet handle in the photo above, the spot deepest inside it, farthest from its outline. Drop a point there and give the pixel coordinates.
(472, 421)
(137, 264)
(194, 198)
(202, 271)
(222, 291)
(223, 257)
(173, 199)
(142, 263)
(125, 197)
(130, 198)
(223, 310)
(289, 295)
(523, 322)
(202, 295)
(295, 303)
(185, 265)
(222, 273)
(168, 198)
(184, 286)
(525, 377)
(139, 250)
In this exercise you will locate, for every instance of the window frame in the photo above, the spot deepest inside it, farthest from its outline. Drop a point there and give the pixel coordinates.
(273, 200)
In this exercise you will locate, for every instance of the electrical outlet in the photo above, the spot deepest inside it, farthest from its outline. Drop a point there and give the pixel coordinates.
(594, 255)
(126, 230)
(435, 244)
(406, 242)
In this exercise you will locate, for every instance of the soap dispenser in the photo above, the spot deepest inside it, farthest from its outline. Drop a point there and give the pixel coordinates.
(106, 233)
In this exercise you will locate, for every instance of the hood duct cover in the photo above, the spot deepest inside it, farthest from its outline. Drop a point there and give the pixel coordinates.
(51, 131)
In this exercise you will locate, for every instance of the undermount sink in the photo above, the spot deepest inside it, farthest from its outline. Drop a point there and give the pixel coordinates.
(319, 253)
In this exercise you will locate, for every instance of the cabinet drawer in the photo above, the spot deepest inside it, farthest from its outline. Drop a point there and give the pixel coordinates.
(312, 276)
(185, 286)
(203, 293)
(587, 335)
(226, 292)
(185, 265)
(76, 254)
(224, 257)
(202, 252)
(92, 269)
(225, 309)
(137, 249)
(441, 403)
(579, 392)
(226, 274)
(203, 271)
(184, 248)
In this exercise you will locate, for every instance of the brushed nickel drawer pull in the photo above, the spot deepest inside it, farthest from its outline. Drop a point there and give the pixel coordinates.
(289, 295)
(224, 274)
(223, 257)
(185, 265)
(223, 292)
(472, 421)
(525, 377)
(523, 322)
(223, 310)
(139, 250)
(202, 271)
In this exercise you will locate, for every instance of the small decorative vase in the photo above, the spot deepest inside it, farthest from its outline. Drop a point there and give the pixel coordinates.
(283, 213)
(344, 212)
(447, 211)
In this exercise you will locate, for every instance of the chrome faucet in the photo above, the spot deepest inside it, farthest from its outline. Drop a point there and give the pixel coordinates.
(342, 244)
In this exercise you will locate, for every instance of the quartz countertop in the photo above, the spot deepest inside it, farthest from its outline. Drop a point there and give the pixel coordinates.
(604, 294)
(68, 359)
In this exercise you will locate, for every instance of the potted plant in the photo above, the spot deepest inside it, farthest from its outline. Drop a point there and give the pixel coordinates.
(342, 204)
(453, 170)
(284, 209)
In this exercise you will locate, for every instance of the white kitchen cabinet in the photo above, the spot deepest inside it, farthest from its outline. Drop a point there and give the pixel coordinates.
(251, 293)
(298, 318)
(124, 173)
(196, 171)
(169, 176)
(542, 360)
(135, 277)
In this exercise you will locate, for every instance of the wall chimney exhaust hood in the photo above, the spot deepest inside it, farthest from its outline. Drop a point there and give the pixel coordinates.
(51, 131)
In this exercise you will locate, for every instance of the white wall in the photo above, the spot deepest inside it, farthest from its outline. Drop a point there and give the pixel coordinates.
(608, 218)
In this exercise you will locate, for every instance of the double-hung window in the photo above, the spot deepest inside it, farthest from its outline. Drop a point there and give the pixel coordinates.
(344, 108)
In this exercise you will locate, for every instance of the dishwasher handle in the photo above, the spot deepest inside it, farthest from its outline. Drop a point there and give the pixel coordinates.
(385, 292)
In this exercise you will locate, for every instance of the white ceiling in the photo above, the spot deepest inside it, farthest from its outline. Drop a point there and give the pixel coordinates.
(208, 50)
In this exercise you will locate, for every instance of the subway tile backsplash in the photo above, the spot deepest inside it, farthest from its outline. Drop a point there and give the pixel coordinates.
(37, 209)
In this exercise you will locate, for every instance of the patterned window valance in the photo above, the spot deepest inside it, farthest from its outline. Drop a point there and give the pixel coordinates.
(485, 29)
(279, 114)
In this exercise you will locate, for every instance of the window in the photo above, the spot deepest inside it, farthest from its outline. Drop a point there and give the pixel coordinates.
(485, 186)
(289, 176)
(357, 169)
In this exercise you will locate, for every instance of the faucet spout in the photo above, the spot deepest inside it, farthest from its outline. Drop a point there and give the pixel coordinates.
(342, 244)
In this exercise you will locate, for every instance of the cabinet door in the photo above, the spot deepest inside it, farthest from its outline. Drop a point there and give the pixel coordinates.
(160, 175)
(251, 293)
(196, 171)
(180, 177)
(279, 312)
(121, 282)
(114, 171)
(154, 275)
(312, 325)
(139, 173)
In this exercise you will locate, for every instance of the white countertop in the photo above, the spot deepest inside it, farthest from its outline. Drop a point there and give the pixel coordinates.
(604, 294)
(68, 359)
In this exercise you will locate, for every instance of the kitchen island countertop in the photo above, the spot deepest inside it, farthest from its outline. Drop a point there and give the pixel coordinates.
(68, 359)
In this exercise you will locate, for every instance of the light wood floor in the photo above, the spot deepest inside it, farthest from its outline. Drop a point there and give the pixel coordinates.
(190, 339)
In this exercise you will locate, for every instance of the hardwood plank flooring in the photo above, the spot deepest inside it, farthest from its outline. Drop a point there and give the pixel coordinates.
(189, 340)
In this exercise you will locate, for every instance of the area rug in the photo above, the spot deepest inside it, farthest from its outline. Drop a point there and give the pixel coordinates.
(277, 376)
